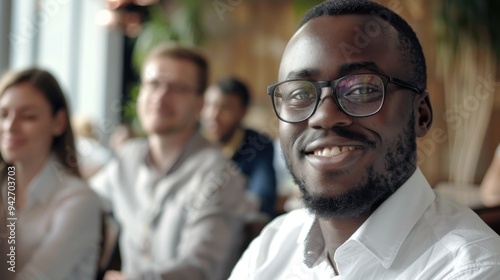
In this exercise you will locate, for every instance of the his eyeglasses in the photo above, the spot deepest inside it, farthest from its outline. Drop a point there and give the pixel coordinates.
(174, 87)
(357, 95)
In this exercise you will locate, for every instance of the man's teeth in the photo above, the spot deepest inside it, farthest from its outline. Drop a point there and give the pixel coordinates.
(335, 151)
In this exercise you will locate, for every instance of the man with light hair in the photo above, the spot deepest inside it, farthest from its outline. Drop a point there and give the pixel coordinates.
(173, 194)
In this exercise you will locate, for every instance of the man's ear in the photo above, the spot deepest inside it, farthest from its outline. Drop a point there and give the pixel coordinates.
(60, 123)
(200, 103)
(243, 113)
(423, 114)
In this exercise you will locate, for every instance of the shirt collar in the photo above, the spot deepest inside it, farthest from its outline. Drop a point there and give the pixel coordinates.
(314, 244)
(387, 228)
(194, 144)
(44, 184)
(383, 233)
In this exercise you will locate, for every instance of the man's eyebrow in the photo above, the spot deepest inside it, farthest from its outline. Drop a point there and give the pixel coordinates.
(348, 68)
(302, 73)
(345, 69)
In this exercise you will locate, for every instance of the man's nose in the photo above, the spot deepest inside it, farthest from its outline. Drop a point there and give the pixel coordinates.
(328, 113)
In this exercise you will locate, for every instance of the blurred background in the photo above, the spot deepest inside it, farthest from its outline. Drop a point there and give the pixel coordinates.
(95, 49)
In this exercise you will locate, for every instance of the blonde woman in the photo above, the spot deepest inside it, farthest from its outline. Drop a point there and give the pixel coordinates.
(58, 216)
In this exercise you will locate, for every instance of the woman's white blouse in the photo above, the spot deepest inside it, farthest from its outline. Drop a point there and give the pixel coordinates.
(58, 229)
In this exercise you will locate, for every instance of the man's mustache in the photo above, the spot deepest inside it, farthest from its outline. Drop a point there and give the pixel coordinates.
(345, 133)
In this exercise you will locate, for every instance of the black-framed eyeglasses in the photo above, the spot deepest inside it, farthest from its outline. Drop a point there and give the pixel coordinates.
(357, 95)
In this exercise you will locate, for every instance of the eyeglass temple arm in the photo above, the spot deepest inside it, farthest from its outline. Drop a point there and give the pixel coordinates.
(405, 84)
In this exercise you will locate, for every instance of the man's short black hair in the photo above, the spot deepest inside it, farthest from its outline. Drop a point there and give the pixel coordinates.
(232, 85)
(408, 41)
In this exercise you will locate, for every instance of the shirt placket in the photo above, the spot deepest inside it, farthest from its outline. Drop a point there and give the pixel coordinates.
(147, 221)
(146, 243)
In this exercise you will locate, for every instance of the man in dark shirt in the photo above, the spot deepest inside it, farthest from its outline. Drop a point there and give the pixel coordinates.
(225, 106)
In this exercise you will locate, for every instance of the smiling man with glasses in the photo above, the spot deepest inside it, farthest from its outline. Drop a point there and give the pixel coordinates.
(350, 112)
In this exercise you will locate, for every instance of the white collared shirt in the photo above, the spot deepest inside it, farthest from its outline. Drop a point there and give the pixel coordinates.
(58, 229)
(413, 235)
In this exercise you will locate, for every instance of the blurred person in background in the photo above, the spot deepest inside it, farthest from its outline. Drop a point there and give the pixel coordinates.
(58, 215)
(92, 155)
(226, 104)
(176, 199)
(119, 136)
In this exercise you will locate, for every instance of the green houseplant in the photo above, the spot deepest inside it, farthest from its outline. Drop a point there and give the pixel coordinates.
(168, 21)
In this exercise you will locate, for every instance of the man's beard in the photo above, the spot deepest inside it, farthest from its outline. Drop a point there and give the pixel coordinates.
(374, 189)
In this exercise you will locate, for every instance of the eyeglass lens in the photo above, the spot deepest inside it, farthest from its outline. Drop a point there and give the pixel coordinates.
(358, 95)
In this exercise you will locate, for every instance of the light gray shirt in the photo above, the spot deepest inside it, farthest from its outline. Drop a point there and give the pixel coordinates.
(185, 224)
